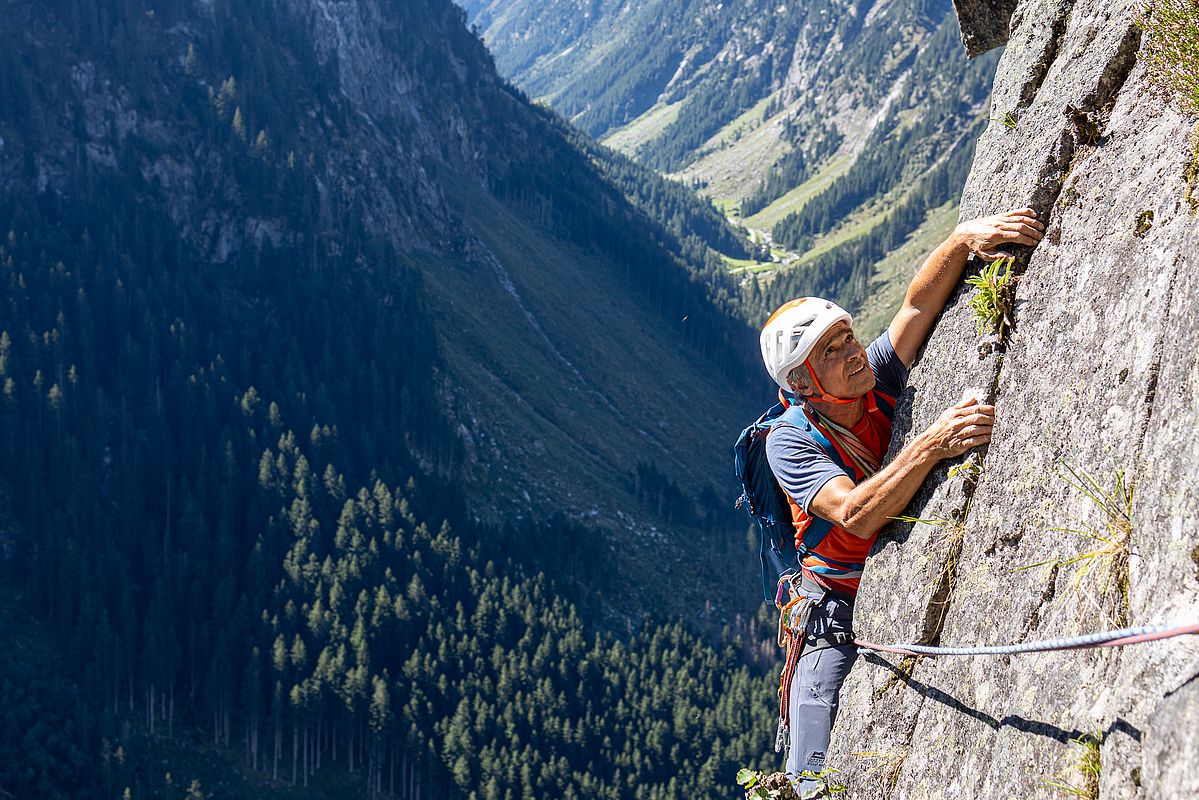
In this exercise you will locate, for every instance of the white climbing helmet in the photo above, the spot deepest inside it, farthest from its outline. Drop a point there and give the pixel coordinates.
(792, 331)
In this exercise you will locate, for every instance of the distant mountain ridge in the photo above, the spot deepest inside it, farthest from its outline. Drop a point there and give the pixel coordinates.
(338, 215)
(768, 107)
(383, 153)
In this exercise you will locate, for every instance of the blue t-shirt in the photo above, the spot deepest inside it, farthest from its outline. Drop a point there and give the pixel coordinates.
(800, 464)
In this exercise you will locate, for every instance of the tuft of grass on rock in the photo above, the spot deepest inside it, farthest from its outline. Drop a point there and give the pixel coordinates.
(1086, 766)
(1101, 570)
(1009, 120)
(885, 767)
(947, 537)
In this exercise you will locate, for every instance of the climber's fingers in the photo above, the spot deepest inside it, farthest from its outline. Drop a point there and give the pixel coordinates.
(993, 255)
(1016, 233)
(1023, 215)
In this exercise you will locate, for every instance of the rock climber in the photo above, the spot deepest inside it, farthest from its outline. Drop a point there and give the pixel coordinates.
(847, 393)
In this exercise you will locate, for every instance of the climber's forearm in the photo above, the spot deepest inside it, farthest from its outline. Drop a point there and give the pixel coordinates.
(926, 296)
(868, 506)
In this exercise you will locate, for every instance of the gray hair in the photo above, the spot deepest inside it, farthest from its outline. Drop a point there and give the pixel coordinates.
(797, 374)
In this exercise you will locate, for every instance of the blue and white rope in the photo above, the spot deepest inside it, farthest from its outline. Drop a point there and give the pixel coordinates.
(1116, 638)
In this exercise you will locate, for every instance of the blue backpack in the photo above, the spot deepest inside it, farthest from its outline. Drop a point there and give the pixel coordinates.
(766, 501)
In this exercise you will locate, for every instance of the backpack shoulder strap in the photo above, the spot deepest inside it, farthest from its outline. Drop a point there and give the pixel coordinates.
(812, 530)
(795, 416)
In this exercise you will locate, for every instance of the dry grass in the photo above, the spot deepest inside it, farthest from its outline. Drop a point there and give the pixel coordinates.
(1083, 771)
(947, 537)
(1101, 570)
(885, 767)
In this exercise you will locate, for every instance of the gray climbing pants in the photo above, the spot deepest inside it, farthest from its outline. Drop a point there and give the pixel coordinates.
(816, 687)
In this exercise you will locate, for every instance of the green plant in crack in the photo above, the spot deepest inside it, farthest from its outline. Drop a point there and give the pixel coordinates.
(1101, 570)
(1084, 769)
(969, 470)
(992, 298)
(1009, 120)
(826, 784)
(1171, 49)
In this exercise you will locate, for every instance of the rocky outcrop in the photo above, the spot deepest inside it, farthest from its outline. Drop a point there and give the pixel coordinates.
(1096, 387)
(984, 25)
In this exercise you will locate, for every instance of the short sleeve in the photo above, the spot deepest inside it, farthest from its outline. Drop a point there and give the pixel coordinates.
(799, 464)
(890, 373)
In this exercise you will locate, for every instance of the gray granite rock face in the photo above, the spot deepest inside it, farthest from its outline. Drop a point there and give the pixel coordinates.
(1097, 381)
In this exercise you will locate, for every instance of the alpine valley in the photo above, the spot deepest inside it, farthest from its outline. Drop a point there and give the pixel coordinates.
(365, 425)
(838, 132)
(363, 428)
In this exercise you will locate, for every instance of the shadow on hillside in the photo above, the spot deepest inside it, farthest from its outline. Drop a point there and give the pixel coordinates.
(1014, 721)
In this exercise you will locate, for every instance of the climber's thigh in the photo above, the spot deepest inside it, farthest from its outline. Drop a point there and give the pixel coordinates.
(819, 675)
(814, 691)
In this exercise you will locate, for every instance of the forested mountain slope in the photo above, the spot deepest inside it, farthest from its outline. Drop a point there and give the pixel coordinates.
(283, 287)
(505, 320)
(833, 127)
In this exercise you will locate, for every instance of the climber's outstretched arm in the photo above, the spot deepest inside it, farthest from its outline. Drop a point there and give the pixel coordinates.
(941, 271)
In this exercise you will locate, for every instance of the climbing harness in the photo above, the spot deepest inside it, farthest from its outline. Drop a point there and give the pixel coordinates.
(802, 594)
(1115, 638)
(792, 633)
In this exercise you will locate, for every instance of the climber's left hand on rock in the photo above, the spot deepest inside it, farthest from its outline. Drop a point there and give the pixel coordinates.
(986, 235)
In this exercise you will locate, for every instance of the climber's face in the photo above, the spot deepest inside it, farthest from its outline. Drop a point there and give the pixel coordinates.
(840, 363)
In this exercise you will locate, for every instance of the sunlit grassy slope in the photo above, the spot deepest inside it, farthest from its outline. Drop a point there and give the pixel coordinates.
(647, 127)
(893, 273)
(859, 223)
(795, 199)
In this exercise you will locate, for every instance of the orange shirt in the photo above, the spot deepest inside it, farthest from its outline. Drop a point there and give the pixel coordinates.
(828, 562)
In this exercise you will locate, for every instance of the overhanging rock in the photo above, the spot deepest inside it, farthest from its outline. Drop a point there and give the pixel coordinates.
(984, 25)
(1099, 380)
